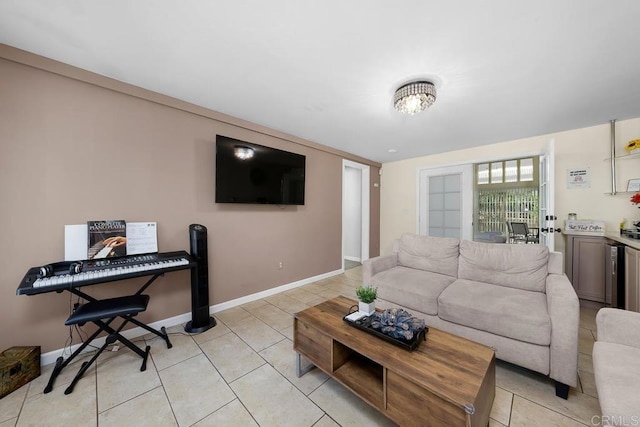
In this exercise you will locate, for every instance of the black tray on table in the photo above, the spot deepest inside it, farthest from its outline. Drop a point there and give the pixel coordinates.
(364, 324)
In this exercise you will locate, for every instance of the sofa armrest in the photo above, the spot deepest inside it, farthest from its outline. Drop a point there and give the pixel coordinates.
(373, 266)
(555, 265)
(564, 312)
(618, 326)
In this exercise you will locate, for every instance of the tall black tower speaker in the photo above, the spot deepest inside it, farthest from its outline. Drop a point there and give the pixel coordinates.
(200, 319)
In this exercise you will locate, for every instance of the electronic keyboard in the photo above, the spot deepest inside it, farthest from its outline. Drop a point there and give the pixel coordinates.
(103, 270)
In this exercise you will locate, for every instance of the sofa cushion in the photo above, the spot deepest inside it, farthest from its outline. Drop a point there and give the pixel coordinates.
(617, 373)
(411, 288)
(435, 254)
(508, 312)
(514, 266)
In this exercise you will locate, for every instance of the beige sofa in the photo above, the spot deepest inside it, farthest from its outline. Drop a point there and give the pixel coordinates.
(616, 366)
(513, 298)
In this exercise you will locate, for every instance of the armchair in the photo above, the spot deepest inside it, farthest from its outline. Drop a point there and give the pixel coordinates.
(616, 365)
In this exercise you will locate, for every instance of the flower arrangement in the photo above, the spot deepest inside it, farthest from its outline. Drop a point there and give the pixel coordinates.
(366, 294)
(635, 199)
(397, 323)
(632, 145)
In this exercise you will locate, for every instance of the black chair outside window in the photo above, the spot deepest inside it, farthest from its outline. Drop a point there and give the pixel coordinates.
(511, 236)
(519, 232)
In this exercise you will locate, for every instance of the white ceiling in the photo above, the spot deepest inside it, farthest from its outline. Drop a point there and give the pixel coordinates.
(326, 70)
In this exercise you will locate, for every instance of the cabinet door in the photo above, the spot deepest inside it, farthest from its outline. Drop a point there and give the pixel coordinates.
(632, 279)
(312, 344)
(588, 267)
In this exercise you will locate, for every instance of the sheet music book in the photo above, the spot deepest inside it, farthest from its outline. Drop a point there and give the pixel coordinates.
(75, 242)
(142, 238)
(106, 238)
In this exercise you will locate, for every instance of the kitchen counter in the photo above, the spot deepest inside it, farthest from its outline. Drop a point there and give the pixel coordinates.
(634, 243)
(611, 235)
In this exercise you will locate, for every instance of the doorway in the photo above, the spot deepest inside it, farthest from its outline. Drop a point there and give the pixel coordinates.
(441, 189)
(355, 213)
(506, 201)
(534, 203)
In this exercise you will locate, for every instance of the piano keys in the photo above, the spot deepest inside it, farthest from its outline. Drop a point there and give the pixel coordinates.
(105, 270)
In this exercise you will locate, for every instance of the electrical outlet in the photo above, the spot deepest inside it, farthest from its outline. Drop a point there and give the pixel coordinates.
(280, 265)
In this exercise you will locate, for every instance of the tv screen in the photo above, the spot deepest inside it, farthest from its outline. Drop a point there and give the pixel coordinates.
(252, 173)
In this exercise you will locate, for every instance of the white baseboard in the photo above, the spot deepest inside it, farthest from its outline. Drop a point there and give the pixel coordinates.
(50, 357)
(353, 258)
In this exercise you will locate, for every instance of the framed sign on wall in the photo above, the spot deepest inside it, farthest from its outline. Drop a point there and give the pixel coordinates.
(578, 178)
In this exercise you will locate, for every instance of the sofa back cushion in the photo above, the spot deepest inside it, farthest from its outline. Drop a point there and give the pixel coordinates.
(435, 254)
(515, 266)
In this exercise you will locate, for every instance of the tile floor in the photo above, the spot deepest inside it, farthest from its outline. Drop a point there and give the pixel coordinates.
(348, 264)
(242, 373)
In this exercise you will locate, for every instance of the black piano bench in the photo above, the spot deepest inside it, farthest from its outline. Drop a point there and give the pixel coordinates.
(102, 313)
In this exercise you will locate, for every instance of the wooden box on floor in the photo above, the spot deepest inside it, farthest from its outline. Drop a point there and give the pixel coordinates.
(18, 366)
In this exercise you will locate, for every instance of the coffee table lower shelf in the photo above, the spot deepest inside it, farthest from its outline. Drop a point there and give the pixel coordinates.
(364, 377)
(395, 381)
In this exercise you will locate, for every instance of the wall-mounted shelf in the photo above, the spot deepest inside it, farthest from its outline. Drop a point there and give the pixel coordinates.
(625, 157)
(615, 158)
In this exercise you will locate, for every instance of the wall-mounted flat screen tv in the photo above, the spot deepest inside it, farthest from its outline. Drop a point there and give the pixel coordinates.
(252, 173)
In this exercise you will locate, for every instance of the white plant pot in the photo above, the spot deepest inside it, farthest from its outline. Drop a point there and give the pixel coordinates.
(367, 309)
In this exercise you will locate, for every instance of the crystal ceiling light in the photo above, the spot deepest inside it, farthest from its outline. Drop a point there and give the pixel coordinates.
(243, 153)
(414, 97)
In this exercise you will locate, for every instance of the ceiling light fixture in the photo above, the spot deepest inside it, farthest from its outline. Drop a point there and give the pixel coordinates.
(414, 97)
(243, 153)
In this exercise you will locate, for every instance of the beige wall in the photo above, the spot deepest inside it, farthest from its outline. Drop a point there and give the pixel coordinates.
(77, 147)
(580, 148)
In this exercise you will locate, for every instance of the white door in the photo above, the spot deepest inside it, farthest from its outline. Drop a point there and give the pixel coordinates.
(445, 197)
(546, 194)
(347, 206)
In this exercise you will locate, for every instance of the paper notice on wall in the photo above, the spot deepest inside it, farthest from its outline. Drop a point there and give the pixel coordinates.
(142, 238)
(578, 178)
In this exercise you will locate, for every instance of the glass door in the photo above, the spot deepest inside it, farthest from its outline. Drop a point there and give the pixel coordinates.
(547, 227)
(445, 197)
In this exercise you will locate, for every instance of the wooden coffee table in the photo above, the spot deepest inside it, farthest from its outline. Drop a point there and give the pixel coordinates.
(447, 380)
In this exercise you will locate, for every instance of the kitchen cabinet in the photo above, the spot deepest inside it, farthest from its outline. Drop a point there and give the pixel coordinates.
(585, 261)
(632, 278)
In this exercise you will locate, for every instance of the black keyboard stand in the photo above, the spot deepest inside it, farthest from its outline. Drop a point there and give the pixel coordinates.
(102, 313)
(96, 317)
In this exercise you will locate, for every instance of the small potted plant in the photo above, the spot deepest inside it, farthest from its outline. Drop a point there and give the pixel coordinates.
(367, 296)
